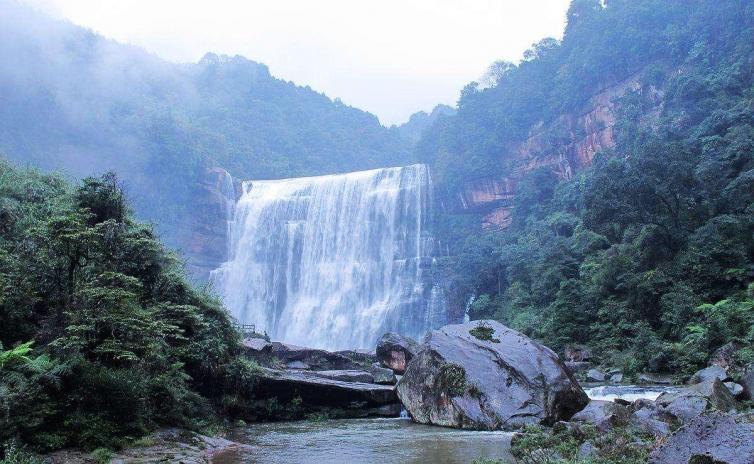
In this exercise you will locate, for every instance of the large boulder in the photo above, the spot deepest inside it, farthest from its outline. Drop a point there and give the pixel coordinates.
(709, 373)
(396, 351)
(605, 415)
(594, 375)
(684, 405)
(655, 379)
(710, 438)
(483, 375)
(717, 394)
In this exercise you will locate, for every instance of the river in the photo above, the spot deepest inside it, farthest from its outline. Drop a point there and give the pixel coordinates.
(386, 441)
(363, 441)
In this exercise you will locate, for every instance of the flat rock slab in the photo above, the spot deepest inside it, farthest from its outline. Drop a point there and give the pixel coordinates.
(346, 376)
(316, 390)
(712, 437)
(257, 345)
(317, 359)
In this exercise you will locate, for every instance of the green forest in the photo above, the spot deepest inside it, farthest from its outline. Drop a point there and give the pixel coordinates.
(648, 256)
(102, 338)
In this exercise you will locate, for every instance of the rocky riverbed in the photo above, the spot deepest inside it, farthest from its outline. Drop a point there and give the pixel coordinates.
(491, 381)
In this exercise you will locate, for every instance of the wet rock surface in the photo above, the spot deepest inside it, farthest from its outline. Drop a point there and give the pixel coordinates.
(483, 375)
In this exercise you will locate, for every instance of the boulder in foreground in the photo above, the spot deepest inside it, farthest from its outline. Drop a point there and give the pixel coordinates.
(483, 375)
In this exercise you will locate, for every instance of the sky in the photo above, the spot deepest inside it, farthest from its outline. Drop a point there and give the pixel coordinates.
(389, 57)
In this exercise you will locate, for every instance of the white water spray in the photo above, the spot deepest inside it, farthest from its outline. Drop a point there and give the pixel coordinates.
(333, 261)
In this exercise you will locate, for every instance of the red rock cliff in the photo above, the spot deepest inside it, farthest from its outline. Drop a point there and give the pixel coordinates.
(578, 138)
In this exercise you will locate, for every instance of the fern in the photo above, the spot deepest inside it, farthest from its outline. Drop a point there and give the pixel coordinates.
(16, 355)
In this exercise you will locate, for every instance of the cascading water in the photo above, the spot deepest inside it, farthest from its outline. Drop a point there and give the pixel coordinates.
(333, 261)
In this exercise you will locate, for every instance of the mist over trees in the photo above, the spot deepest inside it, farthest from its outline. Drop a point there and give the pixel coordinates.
(646, 257)
(77, 102)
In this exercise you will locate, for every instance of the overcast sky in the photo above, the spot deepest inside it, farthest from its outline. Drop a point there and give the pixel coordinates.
(389, 57)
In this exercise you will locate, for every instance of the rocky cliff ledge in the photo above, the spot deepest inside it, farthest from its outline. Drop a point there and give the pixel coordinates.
(203, 239)
(566, 145)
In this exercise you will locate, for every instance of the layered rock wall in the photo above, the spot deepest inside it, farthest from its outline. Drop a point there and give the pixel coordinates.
(565, 146)
(203, 238)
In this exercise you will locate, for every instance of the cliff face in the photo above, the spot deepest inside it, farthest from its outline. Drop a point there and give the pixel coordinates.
(564, 146)
(203, 238)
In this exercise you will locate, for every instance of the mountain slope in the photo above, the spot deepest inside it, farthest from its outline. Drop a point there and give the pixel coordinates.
(75, 101)
(614, 173)
(413, 129)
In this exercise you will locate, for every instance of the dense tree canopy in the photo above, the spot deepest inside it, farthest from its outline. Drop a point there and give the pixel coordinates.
(101, 338)
(650, 252)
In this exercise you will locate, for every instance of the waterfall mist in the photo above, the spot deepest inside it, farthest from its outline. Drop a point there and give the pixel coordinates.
(333, 261)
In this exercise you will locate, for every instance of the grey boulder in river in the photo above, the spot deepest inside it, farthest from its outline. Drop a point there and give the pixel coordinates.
(483, 375)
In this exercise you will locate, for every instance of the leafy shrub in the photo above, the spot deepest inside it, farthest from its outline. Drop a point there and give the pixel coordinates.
(124, 343)
(485, 333)
(452, 379)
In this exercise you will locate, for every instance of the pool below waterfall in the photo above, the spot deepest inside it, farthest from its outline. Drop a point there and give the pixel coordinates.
(363, 441)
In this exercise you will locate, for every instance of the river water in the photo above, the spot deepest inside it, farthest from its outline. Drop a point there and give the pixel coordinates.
(363, 441)
(386, 441)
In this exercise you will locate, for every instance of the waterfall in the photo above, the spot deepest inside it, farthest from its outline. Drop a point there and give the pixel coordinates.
(333, 261)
